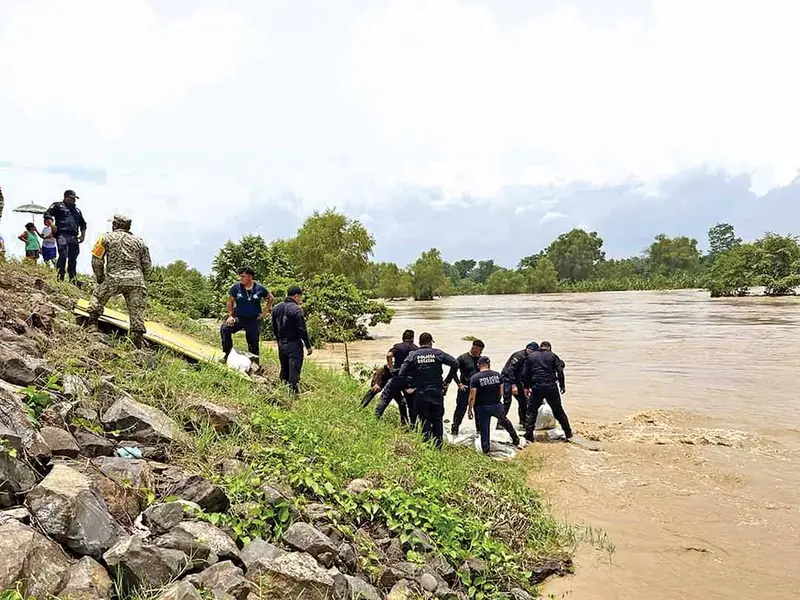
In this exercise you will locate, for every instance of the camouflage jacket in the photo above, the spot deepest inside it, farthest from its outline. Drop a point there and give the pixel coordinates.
(2, 202)
(122, 258)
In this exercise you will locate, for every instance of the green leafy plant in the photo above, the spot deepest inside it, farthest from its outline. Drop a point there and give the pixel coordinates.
(38, 399)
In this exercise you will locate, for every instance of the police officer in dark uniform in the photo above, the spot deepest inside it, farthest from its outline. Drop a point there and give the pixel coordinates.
(394, 389)
(467, 367)
(512, 382)
(422, 371)
(289, 328)
(484, 403)
(70, 233)
(543, 377)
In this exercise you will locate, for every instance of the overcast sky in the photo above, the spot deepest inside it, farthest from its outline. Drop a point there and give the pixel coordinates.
(484, 127)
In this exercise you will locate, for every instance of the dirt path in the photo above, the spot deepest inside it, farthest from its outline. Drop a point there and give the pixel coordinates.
(694, 512)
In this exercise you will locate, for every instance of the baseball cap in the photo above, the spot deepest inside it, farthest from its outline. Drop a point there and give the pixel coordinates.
(71, 194)
(478, 343)
(294, 291)
(425, 338)
(484, 360)
(532, 346)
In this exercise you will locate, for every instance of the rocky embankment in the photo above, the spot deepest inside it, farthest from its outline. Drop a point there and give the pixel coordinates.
(93, 508)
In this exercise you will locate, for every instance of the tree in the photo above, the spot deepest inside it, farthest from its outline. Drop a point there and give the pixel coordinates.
(528, 262)
(329, 242)
(505, 281)
(543, 278)
(669, 255)
(612, 269)
(464, 267)
(394, 282)
(483, 271)
(180, 288)
(269, 261)
(575, 254)
(777, 264)
(722, 238)
(733, 272)
(428, 276)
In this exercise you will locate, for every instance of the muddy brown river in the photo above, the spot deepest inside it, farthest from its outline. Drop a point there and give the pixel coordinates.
(696, 405)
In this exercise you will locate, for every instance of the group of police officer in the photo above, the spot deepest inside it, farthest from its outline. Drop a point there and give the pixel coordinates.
(412, 377)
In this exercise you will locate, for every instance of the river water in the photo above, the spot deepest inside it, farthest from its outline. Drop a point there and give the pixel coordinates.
(696, 404)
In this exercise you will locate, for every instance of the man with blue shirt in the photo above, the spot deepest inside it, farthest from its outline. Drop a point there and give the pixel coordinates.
(245, 312)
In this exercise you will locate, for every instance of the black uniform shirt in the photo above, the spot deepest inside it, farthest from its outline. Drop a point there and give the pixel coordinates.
(487, 387)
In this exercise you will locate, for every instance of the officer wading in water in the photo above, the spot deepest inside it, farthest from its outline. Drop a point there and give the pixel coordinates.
(422, 371)
(244, 313)
(512, 382)
(543, 377)
(394, 388)
(467, 366)
(121, 265)
(485, 391)
(289, 328)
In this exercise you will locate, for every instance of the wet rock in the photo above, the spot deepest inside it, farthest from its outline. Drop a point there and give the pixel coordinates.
(428, 582)
(20, 513)
(305, 538)
(218, 541)
(180, 590)
(16, 478)
(292, 575)
(16, 369)
(160, 518)
(87, 580)
(140, 564)
(68, 510)
(60, 442)
(194, 488)
(259, 549)
(224, 579)
(419, 541)
(359, 486)
(547, 568)
(31, 560)
(200, 554)
(348, 557)
(123, 483)
(140, 422)
(220, 418)
(93, 445)
(346, 587)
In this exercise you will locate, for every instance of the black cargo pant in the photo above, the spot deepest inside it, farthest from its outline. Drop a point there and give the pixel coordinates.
(393, 390)
(522, 402)
(252, 331)
(430, 410)
(462, 404)
(483, 418)
(549, 393)
(68, 250)
(290, 354)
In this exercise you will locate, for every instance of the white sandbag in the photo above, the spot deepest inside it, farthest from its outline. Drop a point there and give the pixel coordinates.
(545, 418)
(239, 362)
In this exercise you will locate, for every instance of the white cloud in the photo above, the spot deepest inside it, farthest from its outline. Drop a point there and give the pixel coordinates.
(551, 216)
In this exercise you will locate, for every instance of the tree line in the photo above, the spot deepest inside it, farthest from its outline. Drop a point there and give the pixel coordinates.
(331, 257)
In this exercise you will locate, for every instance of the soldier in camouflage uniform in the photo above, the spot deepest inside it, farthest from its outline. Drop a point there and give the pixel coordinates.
(2, 202)
(121, 264)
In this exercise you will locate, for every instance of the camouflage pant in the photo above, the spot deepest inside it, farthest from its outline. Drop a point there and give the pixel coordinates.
(135, 297)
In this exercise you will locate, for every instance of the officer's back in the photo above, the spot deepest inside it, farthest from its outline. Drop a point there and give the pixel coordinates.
(423, 367)
(288, 319)
(127, 256)
(541, 369)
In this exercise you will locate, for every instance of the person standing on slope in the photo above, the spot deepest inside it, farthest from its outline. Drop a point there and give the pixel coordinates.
(289, 328)
(70, 233)
(485, 391)
(394, 389)
(467, 366)
(512, 382)
(245, 313)
(543, 378)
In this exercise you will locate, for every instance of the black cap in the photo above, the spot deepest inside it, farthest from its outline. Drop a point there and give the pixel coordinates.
(479, 344)
(247, 271)
(71, 194)
(425, 339)
(484, 360)
(532, 346)
(294, 291)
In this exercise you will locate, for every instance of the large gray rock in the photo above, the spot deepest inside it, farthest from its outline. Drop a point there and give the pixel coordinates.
(140, 564)
(140, 422)
(359, 486)
(87, 580)
(93, 445)
(16, 429)
(68, 510)
(16, 478)
(160, 518)
(123, 483)
(14, 368)
(200, 554)
(346, 587)
(258, 549)
(348, 558)
(75, 388)
(218, 417)
(180, 590)
(20, 513)
(194, 488)
(60, 442)
(30, 559)
(224, 579)
(305, 538)
(292, 575)
(218, 541)
(402, 590)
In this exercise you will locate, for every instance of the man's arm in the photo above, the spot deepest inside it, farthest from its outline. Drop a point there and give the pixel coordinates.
(146, 263)
(99, 261)
(453, 364)
(473, 392)
(50, 212)
(562, 385)
(270, 303)
(301, 329)
(81, 228)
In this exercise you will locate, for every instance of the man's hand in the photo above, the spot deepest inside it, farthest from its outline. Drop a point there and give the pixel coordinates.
(81, 238)
(309, 352)
(514, 389)
(563, 390)
(411, 390)
(462, 387)
(376, 388)
(231, 321)
(470, 414)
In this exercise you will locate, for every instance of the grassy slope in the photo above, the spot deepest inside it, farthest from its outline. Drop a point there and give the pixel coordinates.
(470, 505)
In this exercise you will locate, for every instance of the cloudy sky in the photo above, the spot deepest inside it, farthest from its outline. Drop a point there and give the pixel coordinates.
(484, 127)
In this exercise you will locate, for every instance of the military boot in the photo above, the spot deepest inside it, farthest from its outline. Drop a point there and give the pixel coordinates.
(137, 339)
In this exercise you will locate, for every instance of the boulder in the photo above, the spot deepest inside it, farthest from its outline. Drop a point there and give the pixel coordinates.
(140, 422)
(123, 483)
(359, 486)
(16, 478)
(74, 388)
(346, 587)
(180, 590)
(31, 560)
(292, 575)
(87, 580)
(68, 510)
(217, 540)
(60, 442)
(140, 564)
(258, 549)
(224, 579)
(220, 418)
(428, 582)
(93, 445)
(402, 590)
(348, 557)
(549, 567)
(20, 513)
(160, 518)
(194, 488)
(16, 369)
(442, 588)
(16, 428)
(305, 538)
(43, 317)
(178, 539)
